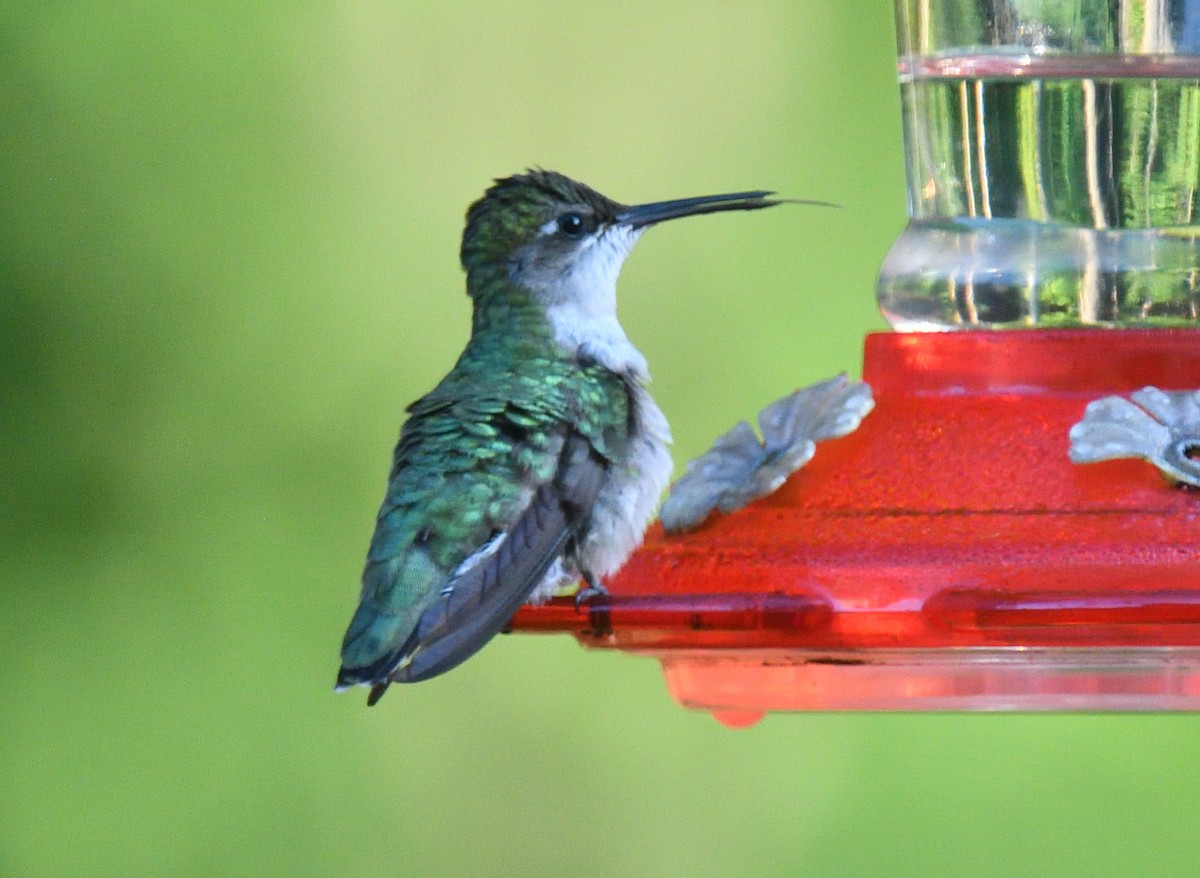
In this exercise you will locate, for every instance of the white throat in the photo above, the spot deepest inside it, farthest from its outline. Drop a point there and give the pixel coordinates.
(583, 307)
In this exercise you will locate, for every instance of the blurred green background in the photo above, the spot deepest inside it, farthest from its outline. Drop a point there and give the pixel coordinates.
(229, 259)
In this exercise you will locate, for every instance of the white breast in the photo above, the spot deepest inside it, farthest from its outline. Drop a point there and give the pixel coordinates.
(630, 496)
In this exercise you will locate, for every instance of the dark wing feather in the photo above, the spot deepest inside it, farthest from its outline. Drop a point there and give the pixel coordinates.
(484, 598)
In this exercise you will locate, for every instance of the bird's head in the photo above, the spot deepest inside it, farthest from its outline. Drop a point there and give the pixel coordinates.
(558, 238)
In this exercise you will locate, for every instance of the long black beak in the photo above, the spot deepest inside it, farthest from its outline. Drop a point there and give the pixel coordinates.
(642, 215)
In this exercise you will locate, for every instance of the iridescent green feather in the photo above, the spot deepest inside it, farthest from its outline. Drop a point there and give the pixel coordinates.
(468, 456)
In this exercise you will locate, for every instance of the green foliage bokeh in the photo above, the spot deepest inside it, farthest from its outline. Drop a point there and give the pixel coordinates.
(229, 259)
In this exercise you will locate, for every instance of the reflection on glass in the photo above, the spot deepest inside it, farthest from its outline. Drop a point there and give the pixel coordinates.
(1053, 156)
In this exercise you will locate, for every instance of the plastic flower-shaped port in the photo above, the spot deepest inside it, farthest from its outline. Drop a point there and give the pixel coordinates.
(1163, 428)
(740, 468)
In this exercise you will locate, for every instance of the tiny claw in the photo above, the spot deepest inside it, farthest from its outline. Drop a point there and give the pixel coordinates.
(593, 589)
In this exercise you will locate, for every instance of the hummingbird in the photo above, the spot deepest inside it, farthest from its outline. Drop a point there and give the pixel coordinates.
(539, 460)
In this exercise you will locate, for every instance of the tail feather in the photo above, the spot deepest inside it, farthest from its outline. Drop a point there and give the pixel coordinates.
(380, 634)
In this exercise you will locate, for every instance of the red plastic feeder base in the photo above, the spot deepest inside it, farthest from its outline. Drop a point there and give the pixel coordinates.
(945, 556)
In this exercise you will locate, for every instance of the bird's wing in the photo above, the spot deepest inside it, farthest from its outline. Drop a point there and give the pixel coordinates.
(487, 490)
(480, 597)
(481, 600)
(419, 618)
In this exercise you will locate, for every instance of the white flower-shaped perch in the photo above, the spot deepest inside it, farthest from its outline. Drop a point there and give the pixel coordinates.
(1163, 428)
(740, 468)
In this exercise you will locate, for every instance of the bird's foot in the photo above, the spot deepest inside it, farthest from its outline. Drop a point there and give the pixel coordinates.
(593, 588)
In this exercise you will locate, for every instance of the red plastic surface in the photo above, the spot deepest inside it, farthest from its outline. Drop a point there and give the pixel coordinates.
(947, 554)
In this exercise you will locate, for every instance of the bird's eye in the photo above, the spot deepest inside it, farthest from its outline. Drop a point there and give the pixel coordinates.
(571, 225)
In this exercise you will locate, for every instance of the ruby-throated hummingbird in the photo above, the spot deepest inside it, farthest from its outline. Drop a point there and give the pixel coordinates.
(540, 458)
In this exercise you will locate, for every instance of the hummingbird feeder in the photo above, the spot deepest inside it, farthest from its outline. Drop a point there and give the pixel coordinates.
(1014, 525)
